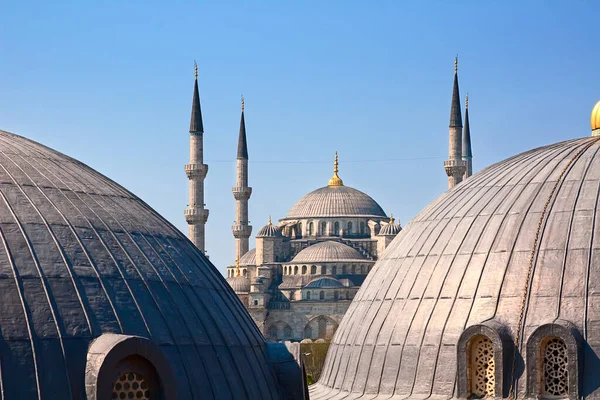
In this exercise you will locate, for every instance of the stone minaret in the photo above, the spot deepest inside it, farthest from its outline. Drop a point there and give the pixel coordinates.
(195, 213)
(241, 192)
(467, 154)
(455, 166)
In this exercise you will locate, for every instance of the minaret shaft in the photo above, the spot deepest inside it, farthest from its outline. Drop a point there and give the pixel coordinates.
(455, 165)
(241, 192)
(195, 213)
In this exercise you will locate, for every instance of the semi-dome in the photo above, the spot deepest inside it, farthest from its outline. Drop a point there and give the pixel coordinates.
(325, 282)
(249, 258)
(269, 230)
(239, 284)
(328, 251)
(91, 275)
(510, 254)
(336, 201)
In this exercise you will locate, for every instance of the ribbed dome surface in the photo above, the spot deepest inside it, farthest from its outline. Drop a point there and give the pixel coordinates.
(335, 201)
(390, 230)
(81, 256)
(464, 260)
(324, 283)
(328, 251)
(269, 230)
(239, 284)
(249, 258)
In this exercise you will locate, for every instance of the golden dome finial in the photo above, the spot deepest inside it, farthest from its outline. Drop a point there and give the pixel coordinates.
(237, 266)
(195, 70)
(270, 223)
(335, 179)
(243, 103)
(391, 218)
(456, 64)
(595, 120)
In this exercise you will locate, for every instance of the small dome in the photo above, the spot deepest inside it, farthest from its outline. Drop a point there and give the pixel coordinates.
(328, 251)
(269, 230)
(324, 283)
(239, 284)
(249, 258)
(336, 201)
(595, 119)
(390, 229)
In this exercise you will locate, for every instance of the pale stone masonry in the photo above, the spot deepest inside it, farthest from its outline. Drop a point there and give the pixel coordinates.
(195, 213)
(455, 166)
(241, 192)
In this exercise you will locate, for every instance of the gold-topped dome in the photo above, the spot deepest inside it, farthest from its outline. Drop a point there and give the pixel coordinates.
(595, 120)
(335, 179)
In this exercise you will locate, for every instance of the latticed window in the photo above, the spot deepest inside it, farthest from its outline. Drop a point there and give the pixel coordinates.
(131, 385)
(482, 367)
(555, 376)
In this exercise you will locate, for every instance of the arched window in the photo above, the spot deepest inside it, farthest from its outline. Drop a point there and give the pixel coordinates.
(304, 270)
(336, 228)
(362, 228)
(334, 270)
(362, 269)
(343, 269)
(347, 295)
(309, 231)
(323, 228)
(131, 385)
(336, 295)
(483, 371)
(354, 269)
(287, 332)
(299, 230)
(313, 269)
(323, 270)
(295, 270)
(554, 371)
(349, 228)
(321, 295)
(308, 295)
(308, 332)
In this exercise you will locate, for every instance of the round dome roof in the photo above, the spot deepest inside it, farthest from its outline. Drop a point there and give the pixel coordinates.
(390, 229)
(464, 260)
(249, 258)
(239, 284)
(336, 201)
(325, 282)
(269, 230)
(328, 251)
(81, 257)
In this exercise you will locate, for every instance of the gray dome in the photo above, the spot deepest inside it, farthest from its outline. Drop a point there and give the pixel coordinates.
(269, 230)
(463, 262)
(239, 284)
(324, 283)
(80, 258)
(390, 230)
(249, 258)
(336, 201)
(328, 251)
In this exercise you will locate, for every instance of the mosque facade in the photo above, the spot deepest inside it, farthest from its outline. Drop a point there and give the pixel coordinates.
(299, 281)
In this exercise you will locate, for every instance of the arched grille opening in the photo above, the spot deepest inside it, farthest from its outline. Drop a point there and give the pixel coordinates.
(482, 367)
(131, 385)
(555, 375)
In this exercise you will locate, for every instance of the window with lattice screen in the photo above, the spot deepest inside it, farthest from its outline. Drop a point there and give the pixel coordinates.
(482, 367)
(131, 385)
(555, 375)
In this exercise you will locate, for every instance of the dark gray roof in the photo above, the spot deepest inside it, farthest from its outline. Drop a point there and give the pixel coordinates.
(328, 251)
(239, 284)
(463, 260)
(196, 125)
(324, 283)
(466, 142)
(390, 230)
(455, 113)
(269, 230)
(249, 258)
(81, 256)
(242, 144)
(336, 201)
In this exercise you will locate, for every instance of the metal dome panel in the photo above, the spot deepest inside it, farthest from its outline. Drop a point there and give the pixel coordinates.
(328, 251)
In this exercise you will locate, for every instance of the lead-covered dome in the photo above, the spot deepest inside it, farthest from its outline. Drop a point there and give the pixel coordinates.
(328, 251)
(518, 238)
(82, 258)
(336, 201)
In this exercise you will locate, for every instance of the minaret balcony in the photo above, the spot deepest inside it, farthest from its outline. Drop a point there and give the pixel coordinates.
(455, 167)
(241, 192)
(196, 215)
(196, 171)
(241, 231)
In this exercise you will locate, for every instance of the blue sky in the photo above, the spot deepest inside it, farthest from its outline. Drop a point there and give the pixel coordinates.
(110, 83)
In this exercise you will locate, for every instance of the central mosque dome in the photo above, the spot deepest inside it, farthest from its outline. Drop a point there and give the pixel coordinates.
(103, 298)
(491, 290)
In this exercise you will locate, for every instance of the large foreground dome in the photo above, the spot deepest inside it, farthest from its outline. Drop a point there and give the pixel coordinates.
(100, 297)
(511, 255)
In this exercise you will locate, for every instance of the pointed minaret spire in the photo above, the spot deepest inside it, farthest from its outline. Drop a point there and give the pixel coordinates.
(455, 166)
(467, 154)
(195, 213)
(241, 192)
